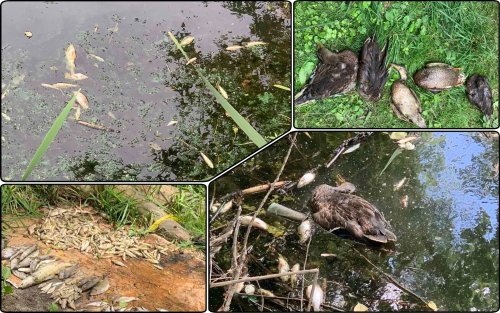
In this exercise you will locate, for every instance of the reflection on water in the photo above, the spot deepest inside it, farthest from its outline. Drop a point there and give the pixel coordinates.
(141, 86)
(447, 248)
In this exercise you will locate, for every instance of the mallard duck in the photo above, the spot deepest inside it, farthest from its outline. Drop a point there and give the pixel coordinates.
(437, 77)
(404, 101)
(335, 74)
(335, 209)
(479, 94)
(372, 73)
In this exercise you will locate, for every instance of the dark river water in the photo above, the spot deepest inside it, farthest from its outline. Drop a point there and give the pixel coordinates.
(447, 248)
(141, 86)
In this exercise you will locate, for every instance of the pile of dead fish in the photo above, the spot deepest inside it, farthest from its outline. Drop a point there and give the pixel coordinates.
(68, 229)
(59, 279)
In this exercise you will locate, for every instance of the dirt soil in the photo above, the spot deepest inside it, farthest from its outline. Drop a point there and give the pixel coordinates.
(180, 286)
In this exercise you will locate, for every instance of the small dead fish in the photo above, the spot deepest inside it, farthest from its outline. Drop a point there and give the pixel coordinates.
(155, 146)
(191, 61)
(207, 160)
(258, 223)
(95, 126)
(98, 58)
(110, 114)
(293, 277)
(77, 113)
(125, 299)
(186, 41)
(352, 149)
(27, 252)
(82, 100)
(407, 146)
(171, 123)
(44, 262)
(317, 297)
(24, 270)
(306, 179)
(249, 289)
(59, 86)
(222, 91)
(283, 267)
(7, 253)
(254, 43)
(19, 274)
(88, 283)
(70, 58)
(75, 76)
(31, 229)
(264, 292)
(101, 287)
(68, 272)
(404, 201)
(399, 184)
(234, 48)
(116, 262)
(6, 117)
(305, 231)
(43, 274)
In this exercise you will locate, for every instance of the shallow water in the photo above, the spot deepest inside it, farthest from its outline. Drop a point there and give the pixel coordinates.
(144, 83)
(447, 248)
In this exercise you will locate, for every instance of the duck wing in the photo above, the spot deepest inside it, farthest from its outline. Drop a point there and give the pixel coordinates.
(479, 94)
(372, 73)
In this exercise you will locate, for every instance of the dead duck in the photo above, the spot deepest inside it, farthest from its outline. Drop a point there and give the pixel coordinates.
(336, 209)
(479, 94)
(437, 77)
(335, 74)
(404, 101)
(372, 73)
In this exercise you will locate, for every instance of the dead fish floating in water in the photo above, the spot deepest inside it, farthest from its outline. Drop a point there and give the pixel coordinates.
(75, 76)
(306, 179)
(283, 267)
(399, 184)
(305, 231)
(437, 77)
(82, 100)
(317, 296)
(257, 222)
(479, 94)
(335, 74)
(234, 48)
(59, 86)
(293, 277)
(186, 41)
(250, 289)
(70, 58)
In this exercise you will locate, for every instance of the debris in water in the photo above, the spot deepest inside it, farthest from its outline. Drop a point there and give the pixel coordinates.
(254, 43)
(28, 34)
(5, 116)
(399, 184)
(155, 146)
(257, 222)
(306, 179)
(70, 59)
(352, 148)
(98, 58)
(95, 126)
(191, 61)
(75, 76)
(110, 114)
(77, 114)
(234, 48)
(59, 86)
(304, 231)
(404, 201)
(360, 308)
(171, 123)
(293, 277)
(82, 100)
(317, 297)
(249, 289)
(283, 267)
(186, 41)
(207, 160)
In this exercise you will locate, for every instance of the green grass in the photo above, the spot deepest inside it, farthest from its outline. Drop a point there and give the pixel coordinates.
(463, 34)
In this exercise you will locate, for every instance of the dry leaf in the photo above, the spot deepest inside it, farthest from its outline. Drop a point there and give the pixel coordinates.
(432, 305)
(234, 48)
(171, 123)
(28, 34)
(186, 41)
(82, 100)
(75, 76)
(207, 160)
(222, 92)
(191, 61)
(360, 308)
(254, 43)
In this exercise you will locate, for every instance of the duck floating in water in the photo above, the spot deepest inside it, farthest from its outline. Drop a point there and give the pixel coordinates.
(479, 94)
(335, 74)
(372, 73)
(335, 208)
(404, 101)
(437, 77)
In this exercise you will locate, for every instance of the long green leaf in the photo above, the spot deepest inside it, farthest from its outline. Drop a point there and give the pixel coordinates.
(393, 156)
(49, 137)
(242, 123)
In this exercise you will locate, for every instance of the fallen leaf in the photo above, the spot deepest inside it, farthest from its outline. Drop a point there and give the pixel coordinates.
(171, 123)
(75, 76)
(207, 160)
(432, 305)
(222, 91)
(282, 87)
(82, 100)
(360, 308)
(234, 48)
(186, 41)
(28, 34)
(191, 61)
(254, 43)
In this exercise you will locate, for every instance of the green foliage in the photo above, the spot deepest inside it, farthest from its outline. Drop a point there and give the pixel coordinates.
(20, 201)
(188, 206)
(53, 307)
(119, 208)
(463, 34)
(6, 289)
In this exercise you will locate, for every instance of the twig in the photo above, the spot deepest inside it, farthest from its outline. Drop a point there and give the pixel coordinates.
(392, 279)
(234, 260)
(237, 273)
(257, 278)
